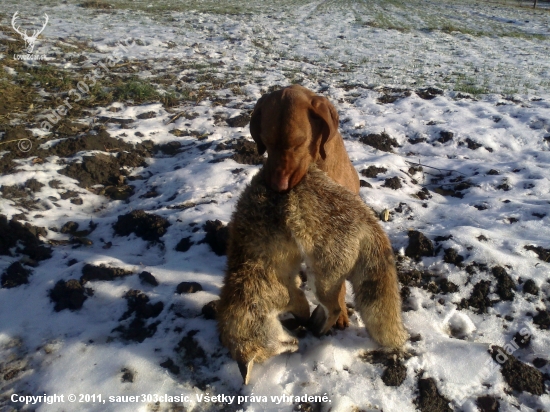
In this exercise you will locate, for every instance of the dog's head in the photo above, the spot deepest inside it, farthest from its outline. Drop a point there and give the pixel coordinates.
(293, 125)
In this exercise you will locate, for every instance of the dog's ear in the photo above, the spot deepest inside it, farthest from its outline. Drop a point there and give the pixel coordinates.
(329, 120)
(256, 125)
(245, 366)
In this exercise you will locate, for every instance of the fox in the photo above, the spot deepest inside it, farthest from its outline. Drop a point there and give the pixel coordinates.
(337, 236)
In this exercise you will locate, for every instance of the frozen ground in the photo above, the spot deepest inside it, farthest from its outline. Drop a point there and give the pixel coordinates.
(462, 88)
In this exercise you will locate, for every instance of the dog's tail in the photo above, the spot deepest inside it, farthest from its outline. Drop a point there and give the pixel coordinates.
(376, 290)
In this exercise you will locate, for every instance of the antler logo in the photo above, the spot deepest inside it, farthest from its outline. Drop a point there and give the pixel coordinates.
(29, 40)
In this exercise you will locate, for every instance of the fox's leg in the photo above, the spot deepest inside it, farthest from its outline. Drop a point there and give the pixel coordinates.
(327, 313)
(298, 304)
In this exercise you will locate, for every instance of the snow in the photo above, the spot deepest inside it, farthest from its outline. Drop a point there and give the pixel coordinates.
(336, 49)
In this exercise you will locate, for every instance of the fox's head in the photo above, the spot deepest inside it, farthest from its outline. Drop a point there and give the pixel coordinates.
(254, 339)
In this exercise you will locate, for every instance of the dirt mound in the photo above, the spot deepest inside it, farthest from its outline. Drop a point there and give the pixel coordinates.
(479, 298)
(189, 350)
(145, 225)
(393, 183)
(184, 244)
(429, 399)
(210, 310)
(137, 329)
(138, 304)
(101, 141)
(452, 256)
(381, 141)
(15, 275)
(428, 93)
(520, 376)
(419, 245)
(217, 235)
(543, 254)
(239, 121)
(505, 285)
(102, 169)
(373, 171)
(12, 232)
(102, 272)
(188, 287)
(69, 295)
(148, 278)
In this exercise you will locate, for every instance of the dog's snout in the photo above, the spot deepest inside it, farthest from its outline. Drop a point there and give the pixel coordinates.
(280, 182)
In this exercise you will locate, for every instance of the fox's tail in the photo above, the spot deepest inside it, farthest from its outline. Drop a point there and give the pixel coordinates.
(377, 296)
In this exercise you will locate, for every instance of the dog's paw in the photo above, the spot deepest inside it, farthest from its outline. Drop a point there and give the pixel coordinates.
(342, 322)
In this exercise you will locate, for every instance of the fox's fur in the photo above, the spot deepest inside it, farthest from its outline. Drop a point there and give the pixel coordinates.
(339, 238)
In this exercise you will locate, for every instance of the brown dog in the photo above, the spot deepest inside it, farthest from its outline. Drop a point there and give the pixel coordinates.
(298, 128)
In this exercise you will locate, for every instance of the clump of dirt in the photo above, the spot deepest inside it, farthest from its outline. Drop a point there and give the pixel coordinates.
(428, 93)
(392, 94)
(479, 298)
(381, 141)
(137, 330)
(147, 115)
(102, 169)
(520, 376)
(210, 310)
(488, 404)
(15, 275)
(138, 304)
(522, 341)
(217, 235)
(543, 254)
(246, 153)
(542, 319)
(373, 171)
(69, 228)
(101, 141)
(419, 245)
(393, 183)
(531, 287)
(239, 121)
(452, 256)
(190, 351)
(101, 272)
(95, 4)
(395, 373)
(188, 287)
(69, 295)
(424, 194)
(127, 375)
(472, 145)
(364, 183)
(505, 284)
(445, 136)
(429, 399)
(447, 286)
(145, 225)
(171, 366)
(148, 278)
(170, 149)
(12, 232)
(184, 244)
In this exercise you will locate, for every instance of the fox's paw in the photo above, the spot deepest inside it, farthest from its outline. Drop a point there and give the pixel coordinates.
(317, 321)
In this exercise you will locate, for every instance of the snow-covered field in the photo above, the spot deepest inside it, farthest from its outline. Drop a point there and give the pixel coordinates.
(459, 92)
